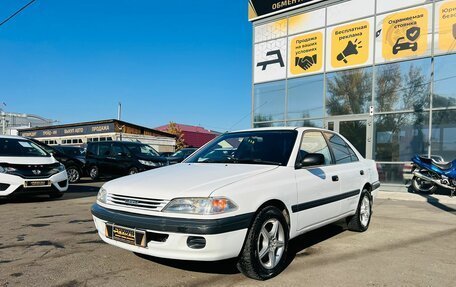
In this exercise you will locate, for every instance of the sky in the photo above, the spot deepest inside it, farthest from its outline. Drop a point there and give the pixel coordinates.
(183, 61)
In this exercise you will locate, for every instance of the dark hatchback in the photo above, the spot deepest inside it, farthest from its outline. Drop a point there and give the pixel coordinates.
(74, 165)
(117, 158)
(180, 155)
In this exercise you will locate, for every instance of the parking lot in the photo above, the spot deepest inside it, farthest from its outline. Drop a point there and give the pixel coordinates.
(54, 243)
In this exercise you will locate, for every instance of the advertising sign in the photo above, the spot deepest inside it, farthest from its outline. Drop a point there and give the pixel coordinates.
(270, 61)
(262, 8)
(350, 45)
(447, 26)
(70, 131)
(306, 54)
(405, 34)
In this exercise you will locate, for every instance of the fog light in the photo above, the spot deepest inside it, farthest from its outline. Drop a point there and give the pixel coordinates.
(196, 242)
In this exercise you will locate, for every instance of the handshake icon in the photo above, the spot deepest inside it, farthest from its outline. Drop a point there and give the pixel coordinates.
(306, 62)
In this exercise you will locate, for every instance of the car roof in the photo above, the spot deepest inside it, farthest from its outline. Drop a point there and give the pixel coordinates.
(12, 137)
(281, 129)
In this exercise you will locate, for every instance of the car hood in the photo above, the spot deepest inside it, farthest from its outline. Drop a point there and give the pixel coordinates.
(183, 180)
(27, 160)
(151, 158)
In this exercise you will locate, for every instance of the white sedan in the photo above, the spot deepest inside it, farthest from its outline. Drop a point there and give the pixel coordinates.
(273, 185)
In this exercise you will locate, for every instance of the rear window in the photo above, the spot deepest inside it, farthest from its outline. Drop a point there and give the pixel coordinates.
(20, 148)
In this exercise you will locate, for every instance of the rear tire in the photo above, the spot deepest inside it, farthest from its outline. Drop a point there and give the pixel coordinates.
(420, 185)
(361, 220)
(265, 249)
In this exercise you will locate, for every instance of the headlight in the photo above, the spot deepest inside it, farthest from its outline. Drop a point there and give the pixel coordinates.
(58, 168)
(148, 163)
(7, 169)
(202, 206)
(101, 197)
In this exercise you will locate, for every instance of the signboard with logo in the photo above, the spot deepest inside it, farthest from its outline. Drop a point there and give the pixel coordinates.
(263, 8)
(446, 27)
(350, 45)
(306, 54)
(70, 131)
(270, 61)
(404, 35)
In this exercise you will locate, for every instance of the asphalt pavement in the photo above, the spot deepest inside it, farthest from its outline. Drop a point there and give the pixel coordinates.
(411, 242)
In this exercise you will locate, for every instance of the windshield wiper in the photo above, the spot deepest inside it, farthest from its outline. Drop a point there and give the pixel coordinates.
(255, 161)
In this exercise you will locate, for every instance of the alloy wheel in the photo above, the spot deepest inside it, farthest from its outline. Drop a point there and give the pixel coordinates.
(271, 243)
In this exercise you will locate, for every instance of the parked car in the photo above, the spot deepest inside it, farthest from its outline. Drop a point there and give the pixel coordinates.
(73, 151)
(26, 168)
(116, 158)
(74, 165)
(180, 155)
(279, 183)
(166, 153)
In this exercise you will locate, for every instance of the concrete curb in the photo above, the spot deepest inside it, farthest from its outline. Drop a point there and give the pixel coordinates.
(444, 199)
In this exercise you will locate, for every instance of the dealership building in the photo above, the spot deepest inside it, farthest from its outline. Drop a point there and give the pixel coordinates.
(79, 134)
(382, 73)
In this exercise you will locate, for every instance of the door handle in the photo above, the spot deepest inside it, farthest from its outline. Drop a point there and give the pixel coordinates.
(335, 178)
(361, 172)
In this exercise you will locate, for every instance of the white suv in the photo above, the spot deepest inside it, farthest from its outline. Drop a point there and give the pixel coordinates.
(25, 168)
(273, 185)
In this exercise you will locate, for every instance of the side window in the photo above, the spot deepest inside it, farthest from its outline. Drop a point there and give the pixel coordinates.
(117, 149)
(104, 149)
(314, 142)
(342, 152)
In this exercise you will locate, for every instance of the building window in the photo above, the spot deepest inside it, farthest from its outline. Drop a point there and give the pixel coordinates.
(349, 92)
(305, 97)
(269, 125)
(443, 140)
(444, 78)
(306, 123)
(403, 86)
(269, 102)
(398, 137)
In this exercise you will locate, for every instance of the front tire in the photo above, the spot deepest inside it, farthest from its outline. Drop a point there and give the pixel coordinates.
(94, 172)
(132, 171)
(265, 250)
(361, 220)
(73, 174)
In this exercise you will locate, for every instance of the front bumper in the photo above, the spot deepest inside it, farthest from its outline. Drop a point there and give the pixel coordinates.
(224, 237)
(15, 184)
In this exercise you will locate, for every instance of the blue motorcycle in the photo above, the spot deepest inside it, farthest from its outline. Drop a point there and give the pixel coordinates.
(428, 174)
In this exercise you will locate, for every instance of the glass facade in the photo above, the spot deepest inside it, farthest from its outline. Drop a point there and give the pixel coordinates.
(397, 100)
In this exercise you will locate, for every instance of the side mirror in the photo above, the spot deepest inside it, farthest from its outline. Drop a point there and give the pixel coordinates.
(311, 159)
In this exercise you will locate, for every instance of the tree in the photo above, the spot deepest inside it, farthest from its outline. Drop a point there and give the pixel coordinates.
(174, 129)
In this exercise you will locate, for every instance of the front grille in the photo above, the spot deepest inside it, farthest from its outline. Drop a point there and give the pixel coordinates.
(137, 202)
(35, 171)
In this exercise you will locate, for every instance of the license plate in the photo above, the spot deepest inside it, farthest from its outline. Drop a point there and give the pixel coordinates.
(126, 235)
(37, 183)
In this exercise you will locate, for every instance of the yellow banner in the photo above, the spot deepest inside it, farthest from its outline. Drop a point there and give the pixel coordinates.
(350, 45)
(306, 53)
(447, 27)
(405, 34)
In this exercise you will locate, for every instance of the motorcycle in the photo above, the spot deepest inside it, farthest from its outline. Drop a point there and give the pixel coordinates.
(429, 174)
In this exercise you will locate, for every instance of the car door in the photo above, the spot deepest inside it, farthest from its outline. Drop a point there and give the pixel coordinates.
(120, 162)
(105, 158)
(351, 173)
(318, 186)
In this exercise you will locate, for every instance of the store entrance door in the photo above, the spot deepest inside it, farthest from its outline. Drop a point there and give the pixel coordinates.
(358, 130)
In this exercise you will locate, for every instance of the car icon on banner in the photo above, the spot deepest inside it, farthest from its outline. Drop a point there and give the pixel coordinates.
(402, 45)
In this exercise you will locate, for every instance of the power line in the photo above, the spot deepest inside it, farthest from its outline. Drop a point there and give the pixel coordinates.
(17, 12)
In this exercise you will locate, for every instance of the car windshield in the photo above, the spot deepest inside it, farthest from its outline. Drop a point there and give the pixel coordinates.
(254, 147)
(20, 148)
(141, 149)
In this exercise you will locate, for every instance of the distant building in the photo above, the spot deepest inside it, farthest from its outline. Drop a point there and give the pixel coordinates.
(79, 134)
(10, 123)
(194, 136)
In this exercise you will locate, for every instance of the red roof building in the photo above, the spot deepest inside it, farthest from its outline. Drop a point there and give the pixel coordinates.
(193, 136)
